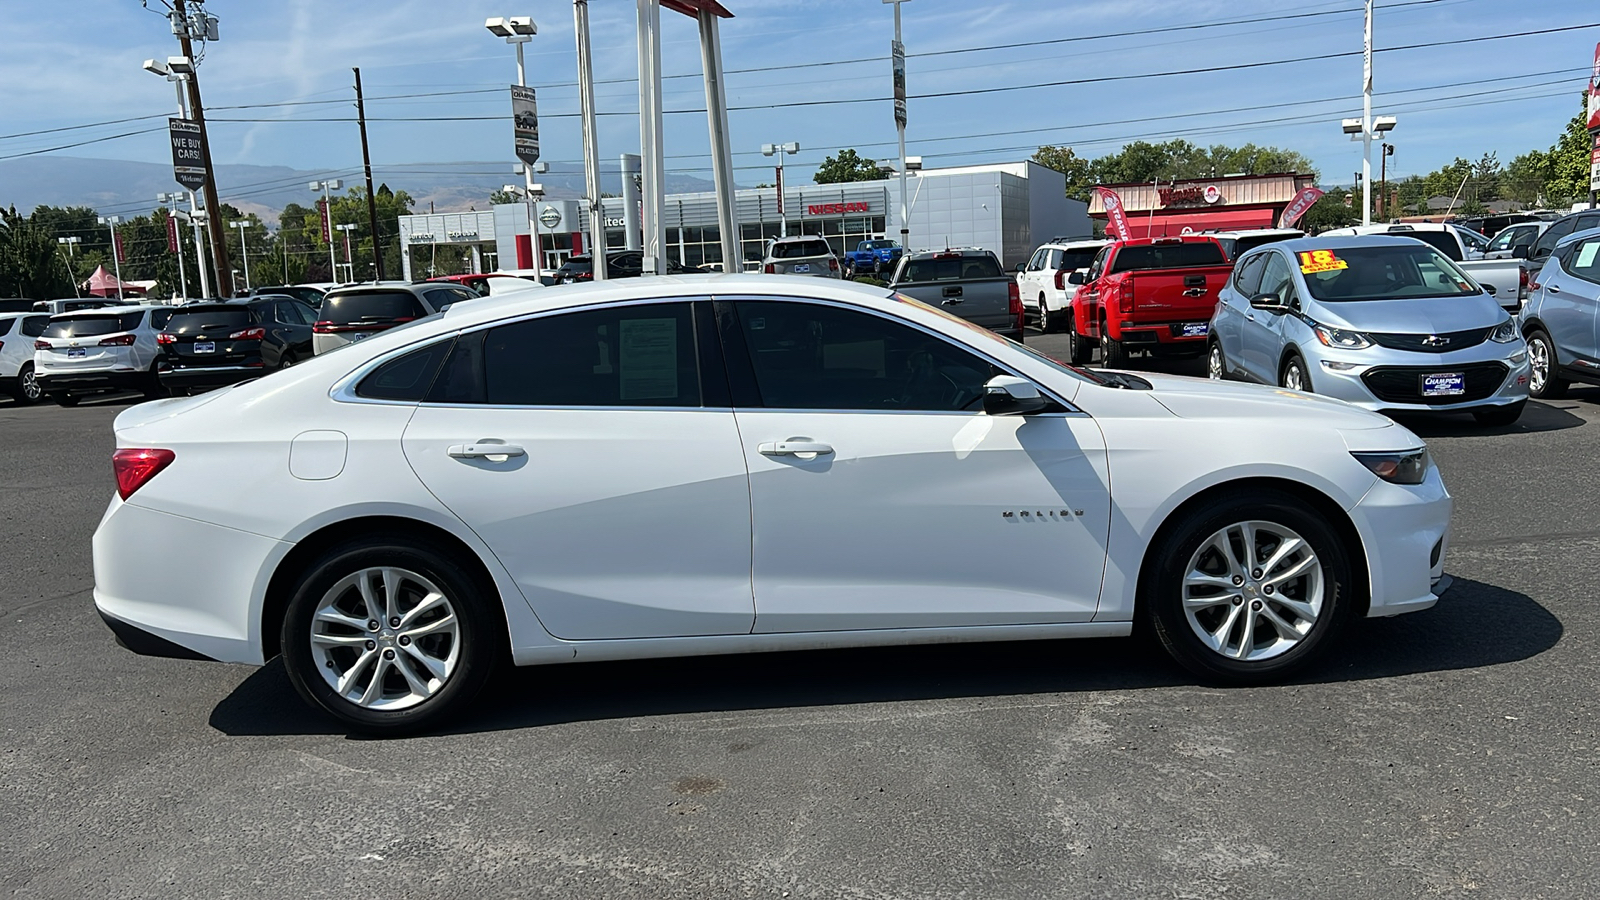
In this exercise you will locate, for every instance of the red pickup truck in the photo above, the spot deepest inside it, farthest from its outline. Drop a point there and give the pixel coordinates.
(1149, 294)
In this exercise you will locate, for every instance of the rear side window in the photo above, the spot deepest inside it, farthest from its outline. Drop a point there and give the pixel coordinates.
(371, 308)
(210, 319)
(159, 318)
(89, 326)
(798, 249)
(34, 326)
(951, 268)
(1442, 241)
(1583, 259)
(5, 326)
(1168, 256)
(1553, 234)
(406, 378)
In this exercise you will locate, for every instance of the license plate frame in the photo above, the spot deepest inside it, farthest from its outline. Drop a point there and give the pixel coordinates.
(205, 346)
(1443, 384)
(1196, 329)
(77, 353)
(802, 269)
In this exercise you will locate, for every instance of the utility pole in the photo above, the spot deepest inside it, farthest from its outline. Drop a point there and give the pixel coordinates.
(898, 51)
(591, 138)
(372, 201)
(214, 222)
(112, 222)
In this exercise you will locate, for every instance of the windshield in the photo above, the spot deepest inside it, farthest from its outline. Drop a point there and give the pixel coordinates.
(1168, 256)
(986, 334)
(1382, 273)
(370, 306)
(951, 268)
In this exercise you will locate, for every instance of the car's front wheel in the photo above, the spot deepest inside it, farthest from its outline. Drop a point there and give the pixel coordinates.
(389, 635)
(1046, 321)
(1295, 377)
(1543, 382)
(1248, 589)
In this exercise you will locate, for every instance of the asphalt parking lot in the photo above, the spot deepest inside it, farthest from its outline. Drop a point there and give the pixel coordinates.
(1450, 753)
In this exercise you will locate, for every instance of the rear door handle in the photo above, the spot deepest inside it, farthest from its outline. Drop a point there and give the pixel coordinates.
(485, 448)
(793, 447)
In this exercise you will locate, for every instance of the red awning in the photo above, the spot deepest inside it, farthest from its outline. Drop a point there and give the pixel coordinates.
(104, 284)
(1174, 224)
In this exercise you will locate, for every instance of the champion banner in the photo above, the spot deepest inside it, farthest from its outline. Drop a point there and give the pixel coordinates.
(327, 226)
(1297, 207)
(116, 245)
(1116, 219)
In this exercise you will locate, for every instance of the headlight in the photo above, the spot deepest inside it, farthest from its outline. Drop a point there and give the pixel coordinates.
(1403, 467)
(1341, 339)
(1505, 332)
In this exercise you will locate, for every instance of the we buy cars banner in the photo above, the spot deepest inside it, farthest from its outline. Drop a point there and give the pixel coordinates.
(1297, 207)
(1116, 219)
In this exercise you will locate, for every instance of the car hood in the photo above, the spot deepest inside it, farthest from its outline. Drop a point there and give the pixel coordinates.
(1199, 398)
(1440, 315)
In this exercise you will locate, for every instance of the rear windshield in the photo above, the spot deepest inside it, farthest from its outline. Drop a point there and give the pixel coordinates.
(208, 319)
(578, 265)
(1382, 273)
(370, 306)
(1168, 256)
(951, 268)
(880, 245)
(1244, 245)
(1078, 259)
(89, 326)
(798, 249)
(1444, 242)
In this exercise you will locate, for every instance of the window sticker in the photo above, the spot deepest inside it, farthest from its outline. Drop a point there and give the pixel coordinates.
(648, 359)
(1315, 261)
(1586, 254)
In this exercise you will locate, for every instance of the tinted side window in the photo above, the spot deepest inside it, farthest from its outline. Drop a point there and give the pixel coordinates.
(33, 326)
(1554, 233)
(627, 356)
(439, 297)
(5, 326)
(407, 377)
(159, 318)
(811, 356)
(1247, 277)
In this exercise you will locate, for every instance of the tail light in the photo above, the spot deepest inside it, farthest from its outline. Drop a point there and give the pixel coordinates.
(1125, 298)
(134, 467)
(1014, 298)
(323, 327)
(1061, 279)
(1524, 284)
(165, 338)
(770, 269)
(833, 265)
(42, 345)
(249, 334)
(121, 340)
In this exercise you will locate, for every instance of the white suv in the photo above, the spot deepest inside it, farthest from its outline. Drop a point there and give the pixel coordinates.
(1042, 280)
(97, 350)
(18, 331)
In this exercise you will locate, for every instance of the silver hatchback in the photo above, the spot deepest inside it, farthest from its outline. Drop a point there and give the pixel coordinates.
(805, 255)
(1386, 323)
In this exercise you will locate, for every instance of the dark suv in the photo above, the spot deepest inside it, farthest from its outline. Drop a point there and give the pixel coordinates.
(1583, 220)
(619, 264)
(217, 342)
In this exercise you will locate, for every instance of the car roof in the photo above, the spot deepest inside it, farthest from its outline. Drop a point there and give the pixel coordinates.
(952, 251)
(1075, 244)
(1396, 227)
(368, 286)
(800, 237)
(1250, 232)
(1342, 242)
(104, 311)
(1578, 236)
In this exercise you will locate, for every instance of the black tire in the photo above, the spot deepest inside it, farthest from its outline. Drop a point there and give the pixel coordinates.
(27, 391)
(1162, 589)
(286, 361)
(1216, 363)
(475, 605)
(1079, 348)
(1548, 385)
(1499, 416)
(62, 398)
(1113, 354)
(1296, 364)
(1047, 323)
(153, 388)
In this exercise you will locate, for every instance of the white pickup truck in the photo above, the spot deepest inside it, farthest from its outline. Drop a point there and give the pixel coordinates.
(1505, 279)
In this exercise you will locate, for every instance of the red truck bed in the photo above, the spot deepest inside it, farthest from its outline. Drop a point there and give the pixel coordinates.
(1153, 295)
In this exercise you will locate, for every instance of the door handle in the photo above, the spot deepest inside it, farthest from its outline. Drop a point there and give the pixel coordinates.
(793, 447)
(484, 448)
(1553, 288)
(1250, 316)
(952, 301)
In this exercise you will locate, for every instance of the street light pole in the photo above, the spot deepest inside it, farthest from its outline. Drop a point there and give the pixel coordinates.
(519, 30)
(898, 49)
(71, 243)
(244, 251)
(112, 222)
(1366, 122)
(183, 277)
(1386, 150)
(349, 260)
(591, 139)
(779, 150)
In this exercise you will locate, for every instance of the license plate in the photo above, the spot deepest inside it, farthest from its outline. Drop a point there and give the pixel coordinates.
(77, 352)
(360, 336)
(207, 347)
(802, 269)
(1196, 329)
(1444, 384)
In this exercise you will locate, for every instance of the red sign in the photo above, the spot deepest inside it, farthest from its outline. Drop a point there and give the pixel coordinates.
(327, 226)
(1298, 206)
(836, 209)
(780, 191)
(1594, 92)
(116, 244)
(1116, 219)
(172, 235)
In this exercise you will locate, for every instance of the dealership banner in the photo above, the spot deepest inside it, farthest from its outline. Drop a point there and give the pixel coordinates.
(172, 235)
(525, 123)
(1297, 207)
(1594, 165)
(327, 225)
(1594, 92)
(116, 245)
(188, 154)
(1116, 219)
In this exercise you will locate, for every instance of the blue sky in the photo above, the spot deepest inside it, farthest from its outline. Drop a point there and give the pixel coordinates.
(302, 50)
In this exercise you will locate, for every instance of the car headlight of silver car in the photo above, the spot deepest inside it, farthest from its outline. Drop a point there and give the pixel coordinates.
(1505, 332)
(1399, 467)
(1340, 339)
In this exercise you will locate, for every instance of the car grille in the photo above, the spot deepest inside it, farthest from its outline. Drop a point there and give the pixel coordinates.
(1403, 384)
(1425, 343)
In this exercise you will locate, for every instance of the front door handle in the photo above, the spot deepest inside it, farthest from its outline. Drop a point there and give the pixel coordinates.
(793, 447)
(1553, 288)
(487, 448)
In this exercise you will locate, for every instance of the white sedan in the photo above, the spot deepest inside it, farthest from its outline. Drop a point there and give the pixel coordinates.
(725, 464)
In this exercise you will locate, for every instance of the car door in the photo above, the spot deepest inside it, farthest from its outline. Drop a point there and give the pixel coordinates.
(883, 497)
(1513, 236)
(290, 330)
(1571, 286)
(1086, 302)
(596, 453)
(1028, 283)
(1261, 331)
(1228, 322)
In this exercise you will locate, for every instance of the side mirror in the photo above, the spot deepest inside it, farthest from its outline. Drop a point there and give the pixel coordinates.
(1267, 301)
(1008, 395)
(1077, 278)
(1520, 251)
(1022, 267)
(1488, 288)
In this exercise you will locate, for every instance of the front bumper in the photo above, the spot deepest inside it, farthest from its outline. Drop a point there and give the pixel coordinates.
(1406, 532)
(1497, 375)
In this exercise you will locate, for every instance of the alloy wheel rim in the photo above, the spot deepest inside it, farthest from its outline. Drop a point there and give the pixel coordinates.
(385, 638)
(1253, 591)
(30, 385)
(1293, 379)
(1539, 364)
(1214, 364)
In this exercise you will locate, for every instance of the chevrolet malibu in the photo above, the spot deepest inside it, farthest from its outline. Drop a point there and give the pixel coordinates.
(725, 464)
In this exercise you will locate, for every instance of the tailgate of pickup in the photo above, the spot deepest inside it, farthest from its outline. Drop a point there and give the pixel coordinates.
(1176, 295)
(985, 301)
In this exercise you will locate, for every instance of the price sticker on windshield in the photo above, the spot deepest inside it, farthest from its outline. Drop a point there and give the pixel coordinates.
(1315, 261)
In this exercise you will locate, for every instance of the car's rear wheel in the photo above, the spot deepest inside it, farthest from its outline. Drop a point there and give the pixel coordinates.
(1079, 349)
(1216, 367)
(286, 360)
(1499, 416)
(390, 636)
(62, 398)
(28, 390)
(1248, 589)
(1114, 355)
(1543, 382)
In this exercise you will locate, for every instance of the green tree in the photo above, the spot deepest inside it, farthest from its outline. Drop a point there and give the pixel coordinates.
(31, 264)
(847, 166)
(1569, 162)
(499, 197)
(1142, 161)
(352, 207)
(1331, 211)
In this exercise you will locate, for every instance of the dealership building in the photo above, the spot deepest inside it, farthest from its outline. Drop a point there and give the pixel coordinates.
(1009, 208)
(1224, 203)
